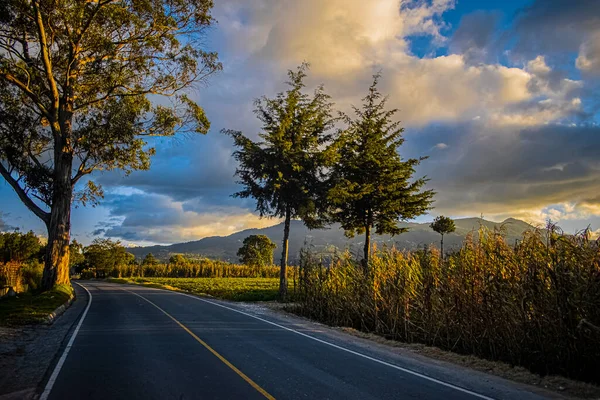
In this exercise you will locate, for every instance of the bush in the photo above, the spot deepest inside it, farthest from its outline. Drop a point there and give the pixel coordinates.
(21, 277)
(536, 305)
(31, 275)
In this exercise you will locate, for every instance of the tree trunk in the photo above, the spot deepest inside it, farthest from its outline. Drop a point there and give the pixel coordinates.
(56, 269)
(367, 248)
(283, 283)
(442, 246)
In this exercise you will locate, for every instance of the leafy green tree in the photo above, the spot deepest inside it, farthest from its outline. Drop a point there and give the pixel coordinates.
(257, 251)
(106, 255)
(149, 259)
(76, 257)
(76, 79)
(370, 183)
(284, 172)
(178, 259)
(19, 247)
(443, 225)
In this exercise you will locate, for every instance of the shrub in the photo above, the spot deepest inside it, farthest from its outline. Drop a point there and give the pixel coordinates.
(31, 275)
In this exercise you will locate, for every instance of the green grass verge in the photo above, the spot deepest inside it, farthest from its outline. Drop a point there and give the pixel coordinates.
(27, 308)
(237, 289)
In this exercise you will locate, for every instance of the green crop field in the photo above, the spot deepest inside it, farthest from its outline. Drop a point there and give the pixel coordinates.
(238, 289)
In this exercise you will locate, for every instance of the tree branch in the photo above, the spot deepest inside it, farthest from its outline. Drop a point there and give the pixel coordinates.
(46, 58)
(41, 214)
(82, 170)
(12, 79)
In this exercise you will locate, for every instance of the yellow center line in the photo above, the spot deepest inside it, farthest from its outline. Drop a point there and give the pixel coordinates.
(219, 356)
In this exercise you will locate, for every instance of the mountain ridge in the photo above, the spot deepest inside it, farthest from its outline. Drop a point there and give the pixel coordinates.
(330, 239)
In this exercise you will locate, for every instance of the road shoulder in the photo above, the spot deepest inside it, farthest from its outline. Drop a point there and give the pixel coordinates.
(28, 353)
(459, 366)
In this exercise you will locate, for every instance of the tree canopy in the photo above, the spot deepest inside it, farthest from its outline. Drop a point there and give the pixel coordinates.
(19, 247)
(150, 260)
(105, 255)
(83, 85)
(370, 184)
(178, 259)
(443, 225)
(257, 251)
(76, 257)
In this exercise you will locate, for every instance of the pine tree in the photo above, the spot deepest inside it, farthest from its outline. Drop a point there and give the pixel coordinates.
(285, 171)
(370, 184)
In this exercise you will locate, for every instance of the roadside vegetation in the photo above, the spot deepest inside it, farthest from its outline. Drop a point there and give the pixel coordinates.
(21, 267)
(30, 308)
(536, 305)
(236, 289)
(105, 258)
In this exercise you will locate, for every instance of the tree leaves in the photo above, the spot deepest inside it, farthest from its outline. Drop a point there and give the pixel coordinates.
(80, 76)
(257, 251)
(286, 169)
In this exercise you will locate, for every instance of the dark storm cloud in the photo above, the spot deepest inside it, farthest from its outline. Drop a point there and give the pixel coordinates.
(484, 169)
(476, 37)
(557, 29)
(157, 218)
(185, 169)
(555, 26)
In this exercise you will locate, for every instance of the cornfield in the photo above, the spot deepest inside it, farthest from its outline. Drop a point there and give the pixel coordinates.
(193, 269)
(535, 305)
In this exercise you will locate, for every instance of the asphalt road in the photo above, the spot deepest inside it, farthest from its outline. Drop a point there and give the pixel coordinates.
(141, 343)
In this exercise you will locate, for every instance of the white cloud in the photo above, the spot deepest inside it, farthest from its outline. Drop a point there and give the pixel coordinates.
(347, 40)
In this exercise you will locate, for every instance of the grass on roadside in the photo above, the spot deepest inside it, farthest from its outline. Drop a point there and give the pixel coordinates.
(27, 308)
(237, 289)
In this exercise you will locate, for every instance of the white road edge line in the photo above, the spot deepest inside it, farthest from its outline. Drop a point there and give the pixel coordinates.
(62, 359)
(408, 371)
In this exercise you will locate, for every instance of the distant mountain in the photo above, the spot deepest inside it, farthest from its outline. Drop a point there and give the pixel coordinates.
(327, 240)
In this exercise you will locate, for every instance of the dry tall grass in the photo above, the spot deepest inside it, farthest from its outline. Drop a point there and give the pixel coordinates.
(536, 305)
(19, 276)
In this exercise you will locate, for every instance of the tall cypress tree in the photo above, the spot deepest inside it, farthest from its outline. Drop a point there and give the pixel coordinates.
(370, 183)
(285, 171)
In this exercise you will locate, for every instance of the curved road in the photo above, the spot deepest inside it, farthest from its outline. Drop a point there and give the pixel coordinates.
(141, 343)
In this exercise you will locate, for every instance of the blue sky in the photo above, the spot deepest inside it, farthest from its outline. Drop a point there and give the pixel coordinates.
(501, 94)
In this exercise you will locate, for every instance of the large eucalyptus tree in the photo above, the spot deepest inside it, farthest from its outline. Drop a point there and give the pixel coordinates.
(82, 84)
